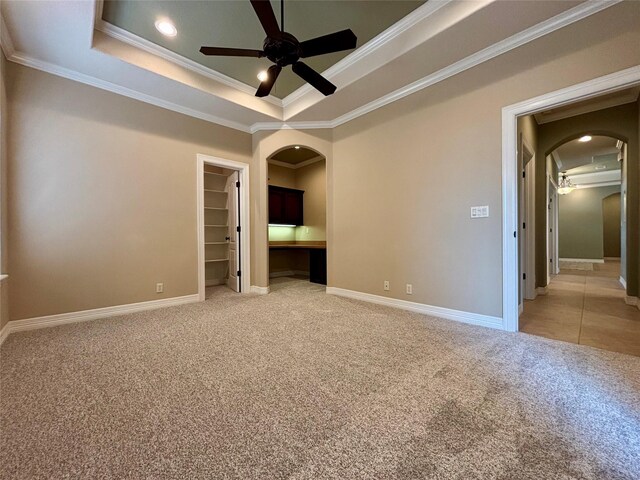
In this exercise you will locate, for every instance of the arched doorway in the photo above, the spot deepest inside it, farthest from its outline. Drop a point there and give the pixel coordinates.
(297, 216)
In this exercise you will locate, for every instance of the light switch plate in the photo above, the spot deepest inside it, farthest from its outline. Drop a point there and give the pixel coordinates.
(480, 212)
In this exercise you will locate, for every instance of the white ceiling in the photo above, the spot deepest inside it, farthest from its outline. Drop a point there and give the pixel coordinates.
(437, 40)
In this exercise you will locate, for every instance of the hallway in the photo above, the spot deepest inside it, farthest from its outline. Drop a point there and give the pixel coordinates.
(585, 307)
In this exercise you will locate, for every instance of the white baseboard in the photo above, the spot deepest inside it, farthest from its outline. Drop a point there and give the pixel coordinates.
(4, 333)
(259, 290)
(630, 300)
(94, 314)
(520, 309)
(457, 315)
(542, 290)
(623, 282)
(582, 260)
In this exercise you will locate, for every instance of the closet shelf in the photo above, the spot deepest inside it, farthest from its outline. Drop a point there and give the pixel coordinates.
(216, 174)
(215, 191)
(217, 260)
(217, 226)
(216, 243)
(215, 208)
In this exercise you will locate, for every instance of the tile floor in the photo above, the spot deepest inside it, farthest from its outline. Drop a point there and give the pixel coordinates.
(586, 307)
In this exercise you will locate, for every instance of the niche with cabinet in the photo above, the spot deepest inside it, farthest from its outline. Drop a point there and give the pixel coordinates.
(286, 206)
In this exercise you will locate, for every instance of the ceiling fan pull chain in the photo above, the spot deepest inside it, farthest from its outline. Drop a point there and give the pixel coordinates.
(282, 15)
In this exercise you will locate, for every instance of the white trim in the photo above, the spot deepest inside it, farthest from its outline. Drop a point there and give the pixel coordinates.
(542, 290)
(623, 282)
(124, 91)
(546, 27)
(377, 42)
(245, 250)
(4, 333)
(297, 165)
(449, 314)
(631, 300)
(93, 314)
(3, 277)
(259, 290)
(582, 260)
(581, 91)
(6, 41)
(595, 185)
(627, 97)
(311, 125)
(184, 62)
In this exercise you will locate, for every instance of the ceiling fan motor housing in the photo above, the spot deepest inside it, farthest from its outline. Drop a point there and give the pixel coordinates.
(282, 50)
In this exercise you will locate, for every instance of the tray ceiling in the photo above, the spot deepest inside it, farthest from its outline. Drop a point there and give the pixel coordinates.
(234, 24)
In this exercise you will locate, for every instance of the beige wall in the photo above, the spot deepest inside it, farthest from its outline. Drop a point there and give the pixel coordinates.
(102, 203)
(265, 143)
(405, 175)
(282, 176)
(580, 222)
(620, 122)
(4, 259)
(313, 180)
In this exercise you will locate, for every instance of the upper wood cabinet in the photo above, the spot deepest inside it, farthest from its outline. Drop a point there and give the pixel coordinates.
(286, 206)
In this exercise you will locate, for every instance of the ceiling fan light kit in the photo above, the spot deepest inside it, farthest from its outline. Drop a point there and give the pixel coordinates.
(284, 49)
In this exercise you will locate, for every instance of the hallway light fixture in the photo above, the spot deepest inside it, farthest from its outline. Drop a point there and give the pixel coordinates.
(586, 138)
(263, 75)
(565, 186)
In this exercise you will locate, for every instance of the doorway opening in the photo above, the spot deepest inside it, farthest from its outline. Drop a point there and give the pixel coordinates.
(223, 230)
(574, 246)
(297, 186)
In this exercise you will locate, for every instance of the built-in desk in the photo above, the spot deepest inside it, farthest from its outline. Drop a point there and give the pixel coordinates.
(317, 257)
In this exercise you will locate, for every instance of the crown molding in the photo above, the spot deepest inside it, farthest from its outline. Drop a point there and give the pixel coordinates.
(6, 43)
(380, 40)
(166, 54)
(256, 127)
(120, 90)
(546, 27)
(628, 97)
(297, 165)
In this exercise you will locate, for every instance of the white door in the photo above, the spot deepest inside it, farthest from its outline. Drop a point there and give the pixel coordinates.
(233, 187)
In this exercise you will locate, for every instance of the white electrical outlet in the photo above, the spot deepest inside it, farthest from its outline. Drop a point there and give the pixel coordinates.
(159, 287)
(480, 212)
(409, 289)
(386, 284)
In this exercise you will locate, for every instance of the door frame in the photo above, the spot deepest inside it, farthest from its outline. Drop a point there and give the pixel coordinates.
(552, 223)
(528, 227)
(582, 91)
(244, 214)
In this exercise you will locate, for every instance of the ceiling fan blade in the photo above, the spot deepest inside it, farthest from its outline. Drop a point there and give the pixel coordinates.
(266, 16)
(334, 42)
(313, 78)
(266, 86)
(231, 52)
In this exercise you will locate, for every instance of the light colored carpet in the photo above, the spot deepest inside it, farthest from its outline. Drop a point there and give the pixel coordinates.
(302, 385)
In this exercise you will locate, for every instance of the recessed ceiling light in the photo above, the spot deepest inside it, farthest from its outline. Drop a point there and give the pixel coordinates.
(297, 147)
(166, 28)
(586, 138)
(263, 75)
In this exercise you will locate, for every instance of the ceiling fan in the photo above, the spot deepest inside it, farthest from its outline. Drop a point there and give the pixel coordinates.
(284, 49)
